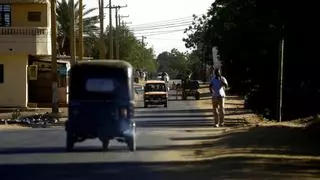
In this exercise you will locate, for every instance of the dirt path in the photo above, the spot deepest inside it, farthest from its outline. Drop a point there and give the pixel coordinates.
(235, 111)
(256, 136)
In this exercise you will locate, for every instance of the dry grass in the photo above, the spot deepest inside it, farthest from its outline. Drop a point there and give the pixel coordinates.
(10, 127)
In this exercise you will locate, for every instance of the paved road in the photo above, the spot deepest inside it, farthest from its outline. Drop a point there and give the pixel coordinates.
(39, 153)
(32, 152)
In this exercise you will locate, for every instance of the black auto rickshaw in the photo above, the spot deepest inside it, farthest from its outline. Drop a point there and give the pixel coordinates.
(101, 103)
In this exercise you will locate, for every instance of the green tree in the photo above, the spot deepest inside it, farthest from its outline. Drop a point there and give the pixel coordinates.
(174, 62)
(131, 49)
(247, 34)
(63, 24)
(195, 63)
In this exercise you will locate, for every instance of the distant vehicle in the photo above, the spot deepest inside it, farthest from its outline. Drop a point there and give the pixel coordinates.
(101, 103)
(155, 93)
(163, 76)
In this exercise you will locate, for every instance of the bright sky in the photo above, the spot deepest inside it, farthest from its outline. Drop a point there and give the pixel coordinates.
(159, 13)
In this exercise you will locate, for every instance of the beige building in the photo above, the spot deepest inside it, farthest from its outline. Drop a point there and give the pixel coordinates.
(24, 36)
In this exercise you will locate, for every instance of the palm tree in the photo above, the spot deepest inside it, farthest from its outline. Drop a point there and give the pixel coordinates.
(63, 24)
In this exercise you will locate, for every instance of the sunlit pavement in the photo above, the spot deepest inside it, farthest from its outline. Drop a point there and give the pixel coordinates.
(172, 143)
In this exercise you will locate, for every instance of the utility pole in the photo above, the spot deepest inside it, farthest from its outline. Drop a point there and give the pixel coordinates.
(102, 50)
(143, 38)
(110, 27)
(280, 75)
(120, 17)
(119, 22)
(72, 37)
(117, 36)
(117, 41)
(81, 29)
(125, 23)
(110, 31)
(143, 52)
(54, 70)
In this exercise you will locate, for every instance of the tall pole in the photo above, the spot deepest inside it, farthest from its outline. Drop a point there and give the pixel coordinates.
(118, 25)
(81, 29)
(280, 75)
(143, 38)
(110, 31)
(111, 56)
(143, 52)
(117, 35)
(72, 37)
(120, 17)
(102, 50)
(55, 104)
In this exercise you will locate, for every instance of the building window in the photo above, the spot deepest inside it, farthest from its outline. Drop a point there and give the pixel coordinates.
(34, 16)
(1, 73)
(5, 15)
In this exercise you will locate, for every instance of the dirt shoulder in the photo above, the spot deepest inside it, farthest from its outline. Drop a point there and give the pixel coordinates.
(257, 136)
(8, 114)
(10, 127)
(236, 115)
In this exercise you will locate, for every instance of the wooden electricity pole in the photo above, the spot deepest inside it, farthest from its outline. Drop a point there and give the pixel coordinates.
(117, 36)
(280, 74)
(72, 37)
(110, 7)
(54, 70)
(110, 32)
(80, 29)
(142, 40)
(117, 41)
(102, 49)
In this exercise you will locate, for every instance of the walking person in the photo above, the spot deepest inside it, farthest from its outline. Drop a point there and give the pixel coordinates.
(217, 87)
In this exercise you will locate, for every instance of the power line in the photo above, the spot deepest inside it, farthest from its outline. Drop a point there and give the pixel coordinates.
(160, 32)
(165, 39)
(173, 30)
(166, 21)
(162, 24)
(161, 27)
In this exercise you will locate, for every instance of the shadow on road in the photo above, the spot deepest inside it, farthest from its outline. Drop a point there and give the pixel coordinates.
(170, 123)
(164, 115)
(221, 168)
(261, 140)
(234, 103)
(229, 111)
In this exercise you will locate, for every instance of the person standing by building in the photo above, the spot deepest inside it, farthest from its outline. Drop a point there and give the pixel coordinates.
(217, 87)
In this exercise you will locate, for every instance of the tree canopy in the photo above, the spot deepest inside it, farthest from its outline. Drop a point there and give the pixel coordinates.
(130, 49)
(64, 13)
(174, 62)
(247, 34)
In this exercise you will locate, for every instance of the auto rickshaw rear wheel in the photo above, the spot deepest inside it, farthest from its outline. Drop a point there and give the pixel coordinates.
(184, 95)
(131, 141)
(197, 95)
(165, 104)
(70, 141)
(105, 144)
(145, 105)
